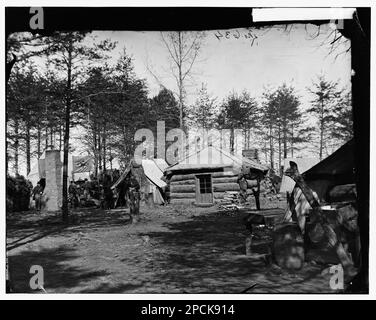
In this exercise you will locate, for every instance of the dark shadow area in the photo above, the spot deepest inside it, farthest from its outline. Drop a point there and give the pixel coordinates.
(199, 253)
(33, 236)
(57, 276)
(206, 255)
(27, 227)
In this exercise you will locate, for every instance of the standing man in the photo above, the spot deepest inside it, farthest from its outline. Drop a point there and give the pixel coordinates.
(86, 189)
(107, 192)
(37, 196)
(134, 198)
(72, 190)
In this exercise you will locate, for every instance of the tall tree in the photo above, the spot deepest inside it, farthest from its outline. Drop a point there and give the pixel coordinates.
(131, 108)
(325, 96)
(238, 112)
(283, 122)
(165, 108)
(21, 46)
(269, 122)
(342, 128)
(204, 112)
(25, 92)
(183, 49)
(71, 55)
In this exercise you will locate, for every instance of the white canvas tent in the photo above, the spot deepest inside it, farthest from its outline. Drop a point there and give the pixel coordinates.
(149, 175)
(154, 174)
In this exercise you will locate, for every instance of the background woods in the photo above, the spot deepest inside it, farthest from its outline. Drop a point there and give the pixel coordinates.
(65, 92)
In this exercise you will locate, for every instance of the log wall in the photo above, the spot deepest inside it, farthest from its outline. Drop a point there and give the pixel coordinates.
(183, 201)
(190, 176)
(183, 186)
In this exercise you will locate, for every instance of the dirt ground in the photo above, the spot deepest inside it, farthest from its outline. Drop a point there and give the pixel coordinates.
(172, 249)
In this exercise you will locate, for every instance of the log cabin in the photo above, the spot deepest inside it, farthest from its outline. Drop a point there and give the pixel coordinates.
(203, 177)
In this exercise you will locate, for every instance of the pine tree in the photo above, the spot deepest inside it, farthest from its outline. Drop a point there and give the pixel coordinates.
(70, 55)
(204, 112)
(342, 129)
(282, 122)
(326, 96)
(238, 112)
(132, 110)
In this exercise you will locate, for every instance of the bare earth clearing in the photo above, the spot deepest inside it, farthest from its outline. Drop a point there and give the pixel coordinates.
(170, 250)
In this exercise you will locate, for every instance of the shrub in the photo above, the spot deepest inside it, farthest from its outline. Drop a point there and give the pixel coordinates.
(18, 193)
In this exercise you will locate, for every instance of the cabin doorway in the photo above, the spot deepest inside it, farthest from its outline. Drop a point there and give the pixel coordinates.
(204, 189)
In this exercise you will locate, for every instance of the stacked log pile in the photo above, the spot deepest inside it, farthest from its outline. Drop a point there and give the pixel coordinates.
(230, 202)
(267, 190)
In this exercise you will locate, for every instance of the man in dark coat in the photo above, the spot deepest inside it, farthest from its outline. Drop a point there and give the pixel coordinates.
(108, 195)
(37, 196)
(134, 197)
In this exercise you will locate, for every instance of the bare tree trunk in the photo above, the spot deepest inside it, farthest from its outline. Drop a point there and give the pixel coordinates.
(16, 145)
(95, 153)
(292, 141)
(6, 157)
(51, 138)
(180, 82)
(46, 140)
(266, 150)
(284, 141)
(28, 151)
(60, 136)
(232, 142)
(271, 147)
(246, 138)
(249, 138)
(38, 141)
(99, 151)
(321, 130)
(66, 134)
(183, 53)
(279, 149)
(104, 147)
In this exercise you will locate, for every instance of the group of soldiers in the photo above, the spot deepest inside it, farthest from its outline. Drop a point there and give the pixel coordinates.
(99, 191)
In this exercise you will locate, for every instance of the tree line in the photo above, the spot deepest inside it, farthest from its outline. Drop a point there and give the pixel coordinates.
(279, 123)
(72, 85)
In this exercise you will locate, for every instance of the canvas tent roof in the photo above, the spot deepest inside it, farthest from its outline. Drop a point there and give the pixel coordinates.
(161, 164)
(212, 157)
(336, 169)
(287, 184)
(340, 162)
(152, 170)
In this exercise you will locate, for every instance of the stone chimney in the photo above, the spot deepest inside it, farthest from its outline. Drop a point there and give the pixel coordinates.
(251, 154)
(53, 191)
